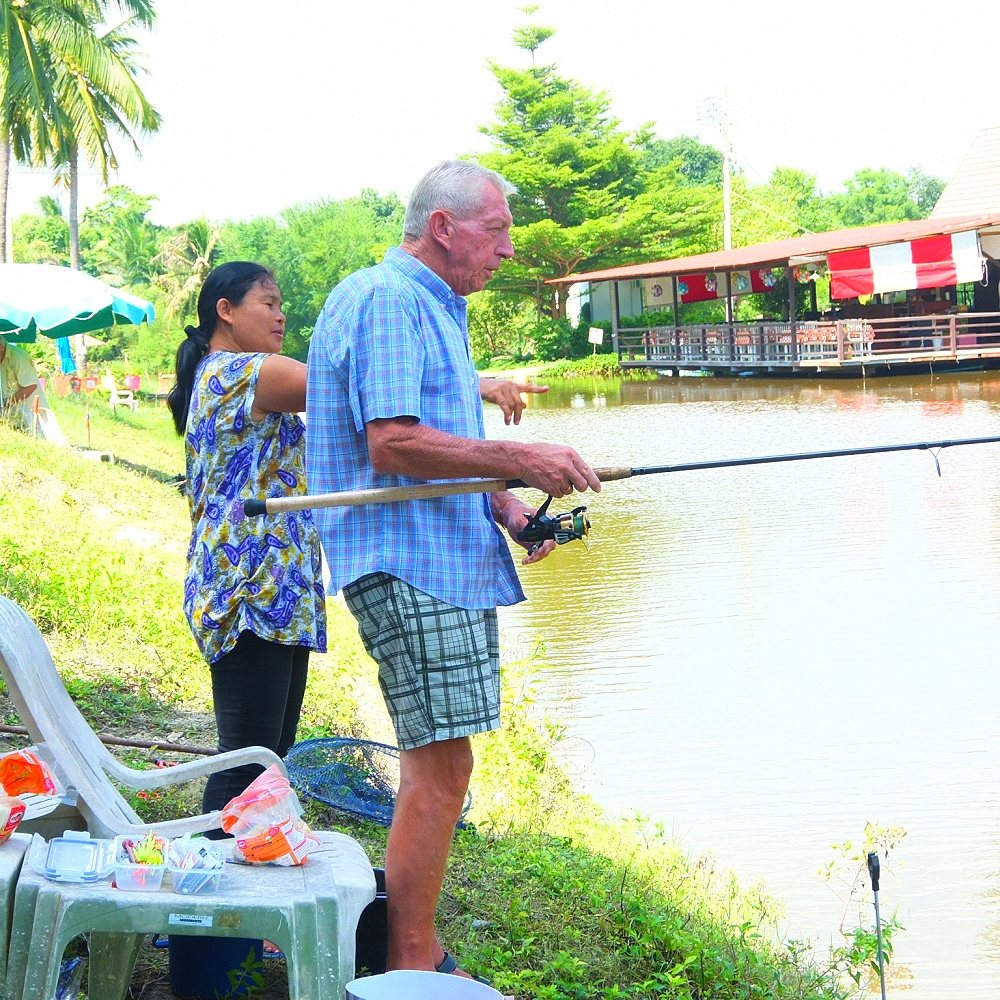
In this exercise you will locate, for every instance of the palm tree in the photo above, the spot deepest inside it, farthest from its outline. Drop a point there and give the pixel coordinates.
(101, 99)
(185, 258)
(65, 87)
(30, 36)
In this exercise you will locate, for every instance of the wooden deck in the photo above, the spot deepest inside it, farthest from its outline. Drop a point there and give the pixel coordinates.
(842, 347)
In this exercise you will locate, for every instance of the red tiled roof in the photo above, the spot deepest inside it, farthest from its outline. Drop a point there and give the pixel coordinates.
(781, 251)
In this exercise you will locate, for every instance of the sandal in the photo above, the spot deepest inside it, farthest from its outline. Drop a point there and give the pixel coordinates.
(449, 965)
(272, 952)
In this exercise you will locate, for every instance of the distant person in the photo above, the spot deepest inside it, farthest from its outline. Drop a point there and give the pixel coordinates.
(18, 384)
(253, 593)
(393, 399)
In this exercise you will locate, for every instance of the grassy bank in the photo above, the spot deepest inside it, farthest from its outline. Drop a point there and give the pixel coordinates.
(543, 895)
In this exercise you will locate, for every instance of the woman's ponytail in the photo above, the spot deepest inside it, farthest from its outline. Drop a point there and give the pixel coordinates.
(191, 350)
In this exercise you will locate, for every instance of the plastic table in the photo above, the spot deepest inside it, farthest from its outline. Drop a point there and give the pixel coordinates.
(310, 911)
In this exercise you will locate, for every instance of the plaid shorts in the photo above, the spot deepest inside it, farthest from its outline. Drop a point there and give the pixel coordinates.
(438, 665)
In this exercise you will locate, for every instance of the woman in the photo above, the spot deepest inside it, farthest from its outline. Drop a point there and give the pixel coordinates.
(253, 593)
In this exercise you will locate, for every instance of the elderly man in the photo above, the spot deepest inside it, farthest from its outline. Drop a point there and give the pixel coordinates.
(18, 381)
(393, 399)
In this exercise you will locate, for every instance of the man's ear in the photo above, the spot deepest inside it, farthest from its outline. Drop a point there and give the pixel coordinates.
(440, 227)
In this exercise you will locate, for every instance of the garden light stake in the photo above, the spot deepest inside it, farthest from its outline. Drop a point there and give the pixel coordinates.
(873, 871)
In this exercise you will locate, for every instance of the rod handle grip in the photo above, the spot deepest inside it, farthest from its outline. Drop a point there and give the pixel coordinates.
(254, 508)
(609, 475)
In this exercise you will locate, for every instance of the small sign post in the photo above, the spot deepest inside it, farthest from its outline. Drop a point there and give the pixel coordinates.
(595, 337)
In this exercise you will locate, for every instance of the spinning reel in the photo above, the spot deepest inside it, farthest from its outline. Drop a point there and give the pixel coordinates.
(561, 528)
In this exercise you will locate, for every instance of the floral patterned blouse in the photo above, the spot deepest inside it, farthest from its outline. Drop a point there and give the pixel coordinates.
(247, 574)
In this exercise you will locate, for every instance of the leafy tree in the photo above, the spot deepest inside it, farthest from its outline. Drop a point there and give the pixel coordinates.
(118, 243)
(42, 238)
(499, 326)
(585, 196)
(312, 248)
(698, 164)
(787, 205)
(874, 196)
(924, 189)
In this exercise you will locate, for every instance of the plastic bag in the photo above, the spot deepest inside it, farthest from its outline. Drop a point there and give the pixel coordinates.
(266, 822)
(11, 813)
(23, 772)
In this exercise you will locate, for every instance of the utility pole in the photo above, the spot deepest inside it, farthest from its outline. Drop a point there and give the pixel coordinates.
(717, 113)
(727, 169)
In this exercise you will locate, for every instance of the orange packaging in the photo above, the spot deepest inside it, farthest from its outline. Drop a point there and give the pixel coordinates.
(265, 821)
(23, 772)
(11, 813)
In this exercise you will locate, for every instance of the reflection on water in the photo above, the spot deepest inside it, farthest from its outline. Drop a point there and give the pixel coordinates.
(765, 658)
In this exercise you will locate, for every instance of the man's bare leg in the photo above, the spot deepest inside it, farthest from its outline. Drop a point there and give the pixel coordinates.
(433, 781)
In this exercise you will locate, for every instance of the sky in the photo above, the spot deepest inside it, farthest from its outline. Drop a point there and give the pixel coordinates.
(267, 104)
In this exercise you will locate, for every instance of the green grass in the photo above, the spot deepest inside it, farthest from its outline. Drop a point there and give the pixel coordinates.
(543, 894)
(595, 366)
(145, 438)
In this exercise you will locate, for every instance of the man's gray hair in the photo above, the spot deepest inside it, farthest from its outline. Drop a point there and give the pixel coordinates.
(456, 186)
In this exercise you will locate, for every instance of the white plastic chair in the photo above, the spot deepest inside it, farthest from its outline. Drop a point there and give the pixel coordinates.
(67, 743)
(118, 397)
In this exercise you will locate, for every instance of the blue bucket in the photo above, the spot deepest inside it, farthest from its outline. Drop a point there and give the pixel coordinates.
(200, 967)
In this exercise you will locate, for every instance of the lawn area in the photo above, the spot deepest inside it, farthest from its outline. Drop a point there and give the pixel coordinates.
(543, 894)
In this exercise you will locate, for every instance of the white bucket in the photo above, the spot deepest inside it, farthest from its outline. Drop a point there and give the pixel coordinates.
(412, 985)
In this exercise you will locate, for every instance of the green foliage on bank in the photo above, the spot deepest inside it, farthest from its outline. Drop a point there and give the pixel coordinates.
(543, 893)
(594, 366)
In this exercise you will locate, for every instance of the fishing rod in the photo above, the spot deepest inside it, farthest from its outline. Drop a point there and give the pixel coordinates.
(572, 525)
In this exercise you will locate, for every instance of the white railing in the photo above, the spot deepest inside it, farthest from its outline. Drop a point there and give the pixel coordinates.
(910, 338)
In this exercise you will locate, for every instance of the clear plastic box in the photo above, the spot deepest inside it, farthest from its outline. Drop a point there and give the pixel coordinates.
(196, 881)
(137, 877)
(195, 865)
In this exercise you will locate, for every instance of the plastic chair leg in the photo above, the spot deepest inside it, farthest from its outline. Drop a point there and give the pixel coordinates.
(314, 968)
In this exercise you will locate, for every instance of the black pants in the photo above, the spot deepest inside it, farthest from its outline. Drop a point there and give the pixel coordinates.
(257, 688)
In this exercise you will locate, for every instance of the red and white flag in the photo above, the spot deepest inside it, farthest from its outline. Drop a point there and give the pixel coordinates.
(932, 262)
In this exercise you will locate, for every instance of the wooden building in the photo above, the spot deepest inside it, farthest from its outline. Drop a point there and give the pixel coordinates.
(904, 296)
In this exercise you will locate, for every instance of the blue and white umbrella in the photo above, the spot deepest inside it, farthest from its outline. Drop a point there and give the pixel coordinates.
(60, 302)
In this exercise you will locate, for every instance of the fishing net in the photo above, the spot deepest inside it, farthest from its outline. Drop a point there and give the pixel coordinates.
(355, 776)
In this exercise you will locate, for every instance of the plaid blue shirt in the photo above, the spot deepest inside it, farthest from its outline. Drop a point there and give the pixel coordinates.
(392, 341)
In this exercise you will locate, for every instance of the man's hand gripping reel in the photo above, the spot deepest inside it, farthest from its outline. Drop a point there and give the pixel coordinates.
(561, 528)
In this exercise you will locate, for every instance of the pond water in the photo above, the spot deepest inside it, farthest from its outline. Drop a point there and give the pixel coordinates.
(763, 659)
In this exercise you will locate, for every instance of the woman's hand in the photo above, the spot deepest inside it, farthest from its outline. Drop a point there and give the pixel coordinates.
(507, 395)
